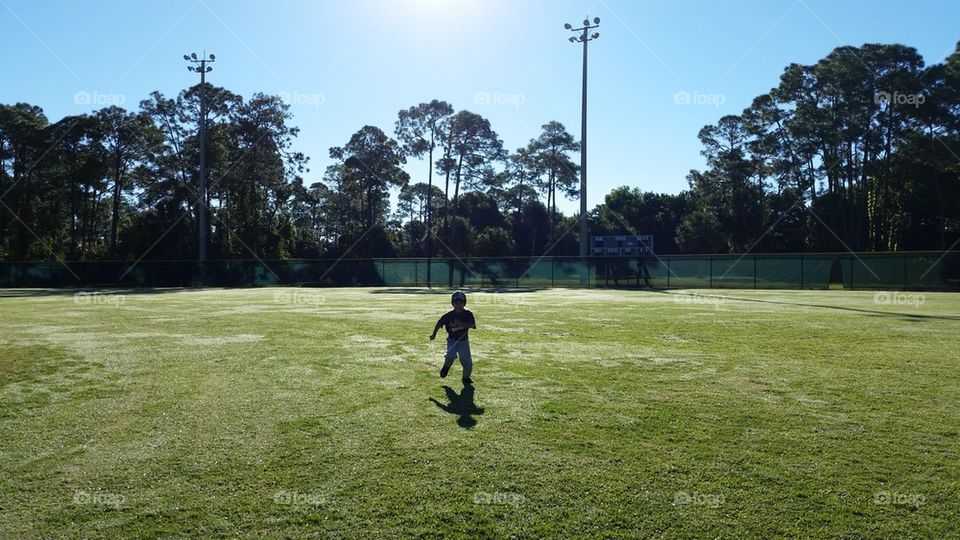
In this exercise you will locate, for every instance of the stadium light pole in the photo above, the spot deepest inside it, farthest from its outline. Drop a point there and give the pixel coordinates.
(202, 69)
(584, 37)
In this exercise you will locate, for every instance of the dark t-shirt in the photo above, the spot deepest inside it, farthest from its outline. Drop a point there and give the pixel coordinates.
(465, 317)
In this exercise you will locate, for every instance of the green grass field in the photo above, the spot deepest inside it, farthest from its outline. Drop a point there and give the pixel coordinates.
(605, 414)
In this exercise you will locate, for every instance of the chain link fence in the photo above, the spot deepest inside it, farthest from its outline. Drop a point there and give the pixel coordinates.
(899, 271)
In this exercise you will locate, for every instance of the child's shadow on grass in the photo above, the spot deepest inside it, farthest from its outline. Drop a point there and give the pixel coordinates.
(461, 405)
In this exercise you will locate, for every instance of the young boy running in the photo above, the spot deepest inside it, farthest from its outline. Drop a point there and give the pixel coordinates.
(457, 322)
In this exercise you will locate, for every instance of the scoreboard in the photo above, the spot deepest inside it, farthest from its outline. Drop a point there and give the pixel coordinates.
(620, 245)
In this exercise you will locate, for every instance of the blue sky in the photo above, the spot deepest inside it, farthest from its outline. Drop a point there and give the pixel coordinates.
(346, 64)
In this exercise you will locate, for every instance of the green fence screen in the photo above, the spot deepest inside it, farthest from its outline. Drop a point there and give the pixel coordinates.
(901, 271)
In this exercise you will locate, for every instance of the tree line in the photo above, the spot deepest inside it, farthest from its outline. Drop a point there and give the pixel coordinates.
(858, 151)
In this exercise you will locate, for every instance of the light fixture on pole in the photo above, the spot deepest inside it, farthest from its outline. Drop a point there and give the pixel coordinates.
(584, 36)
(202, 69)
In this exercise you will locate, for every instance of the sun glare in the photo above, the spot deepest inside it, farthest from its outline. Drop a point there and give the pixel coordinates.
(459, 14)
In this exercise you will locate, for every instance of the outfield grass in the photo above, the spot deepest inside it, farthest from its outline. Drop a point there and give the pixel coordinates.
(319, 412)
